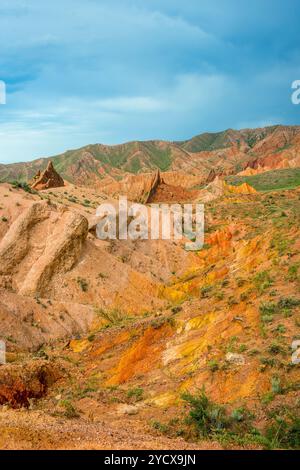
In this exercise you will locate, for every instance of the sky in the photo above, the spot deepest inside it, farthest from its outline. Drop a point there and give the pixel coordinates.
(110, 71)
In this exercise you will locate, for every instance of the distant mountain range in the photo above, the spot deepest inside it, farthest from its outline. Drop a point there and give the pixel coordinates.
(202, 157)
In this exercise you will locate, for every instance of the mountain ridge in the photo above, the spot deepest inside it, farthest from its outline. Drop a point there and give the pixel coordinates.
(226, 152)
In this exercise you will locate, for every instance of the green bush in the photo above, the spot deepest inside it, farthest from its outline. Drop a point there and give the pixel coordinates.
(135, 393)
(70, 411)
(284, 433)
(213, 365)
(83, 284)
(262, 281)
(22, 185)
(208, 417)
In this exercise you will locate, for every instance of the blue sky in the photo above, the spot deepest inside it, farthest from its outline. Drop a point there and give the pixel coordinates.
(109, 71)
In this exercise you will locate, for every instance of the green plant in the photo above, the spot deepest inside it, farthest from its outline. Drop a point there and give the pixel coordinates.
(276, 385)
(83, 284)
(113, 316)
(284, 432)
(70, 411)
(288, 302)
(213, 421)
(280, 329)
(275, 348)
(267, 310)
(176, 309)
(293, 272)
(22, 185)
(135, 393)
(262, 281)
(213, 365)
(161, 427)
(205, 291)
(207, 416)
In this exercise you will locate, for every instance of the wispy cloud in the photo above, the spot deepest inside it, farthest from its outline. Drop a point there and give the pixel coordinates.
(82, 72)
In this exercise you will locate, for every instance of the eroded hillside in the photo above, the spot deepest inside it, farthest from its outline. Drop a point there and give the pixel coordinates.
(190, 163)
(105, 338)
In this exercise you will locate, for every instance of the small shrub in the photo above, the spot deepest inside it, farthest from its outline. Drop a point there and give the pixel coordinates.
(176, 309)
(275, 348)
(213, 365)
(293, 272)
(284, 432)
(267, 310)
(205, 292)
(161, 427)
(280, 329)
(22, 185)
(113, 316)
(83, 284)
(207, 416)
(276, 385)
(262, 281)
(288, 302)
(70, 411)
(135, 393)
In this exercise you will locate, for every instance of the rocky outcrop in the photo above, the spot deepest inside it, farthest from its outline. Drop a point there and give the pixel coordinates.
(47, 179)
(219, 188)
(155, 187)
(138, 188)
(62, 250)
(18, 384)
(15, 244)
(42, 242)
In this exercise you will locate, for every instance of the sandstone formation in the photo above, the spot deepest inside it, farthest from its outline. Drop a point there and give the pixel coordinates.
(64, 234)
(154, 187)
(219, 188)
(47, 179)
(137, 188)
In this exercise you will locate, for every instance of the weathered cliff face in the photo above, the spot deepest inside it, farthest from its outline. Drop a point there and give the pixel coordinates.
(219, 188)
(55, 275)
(47, 179)
(183, 180)
(169, 187)
(138, 188)
(42, 242)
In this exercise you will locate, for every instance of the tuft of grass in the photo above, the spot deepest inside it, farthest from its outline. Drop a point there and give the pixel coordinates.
(213, 365)
(70, 411)
(113, 316)
(262, 281)
(135, 393)
(284, 432)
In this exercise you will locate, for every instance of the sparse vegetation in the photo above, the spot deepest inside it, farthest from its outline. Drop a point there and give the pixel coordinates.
(83, 284)
(135, 393)
(70, 411)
